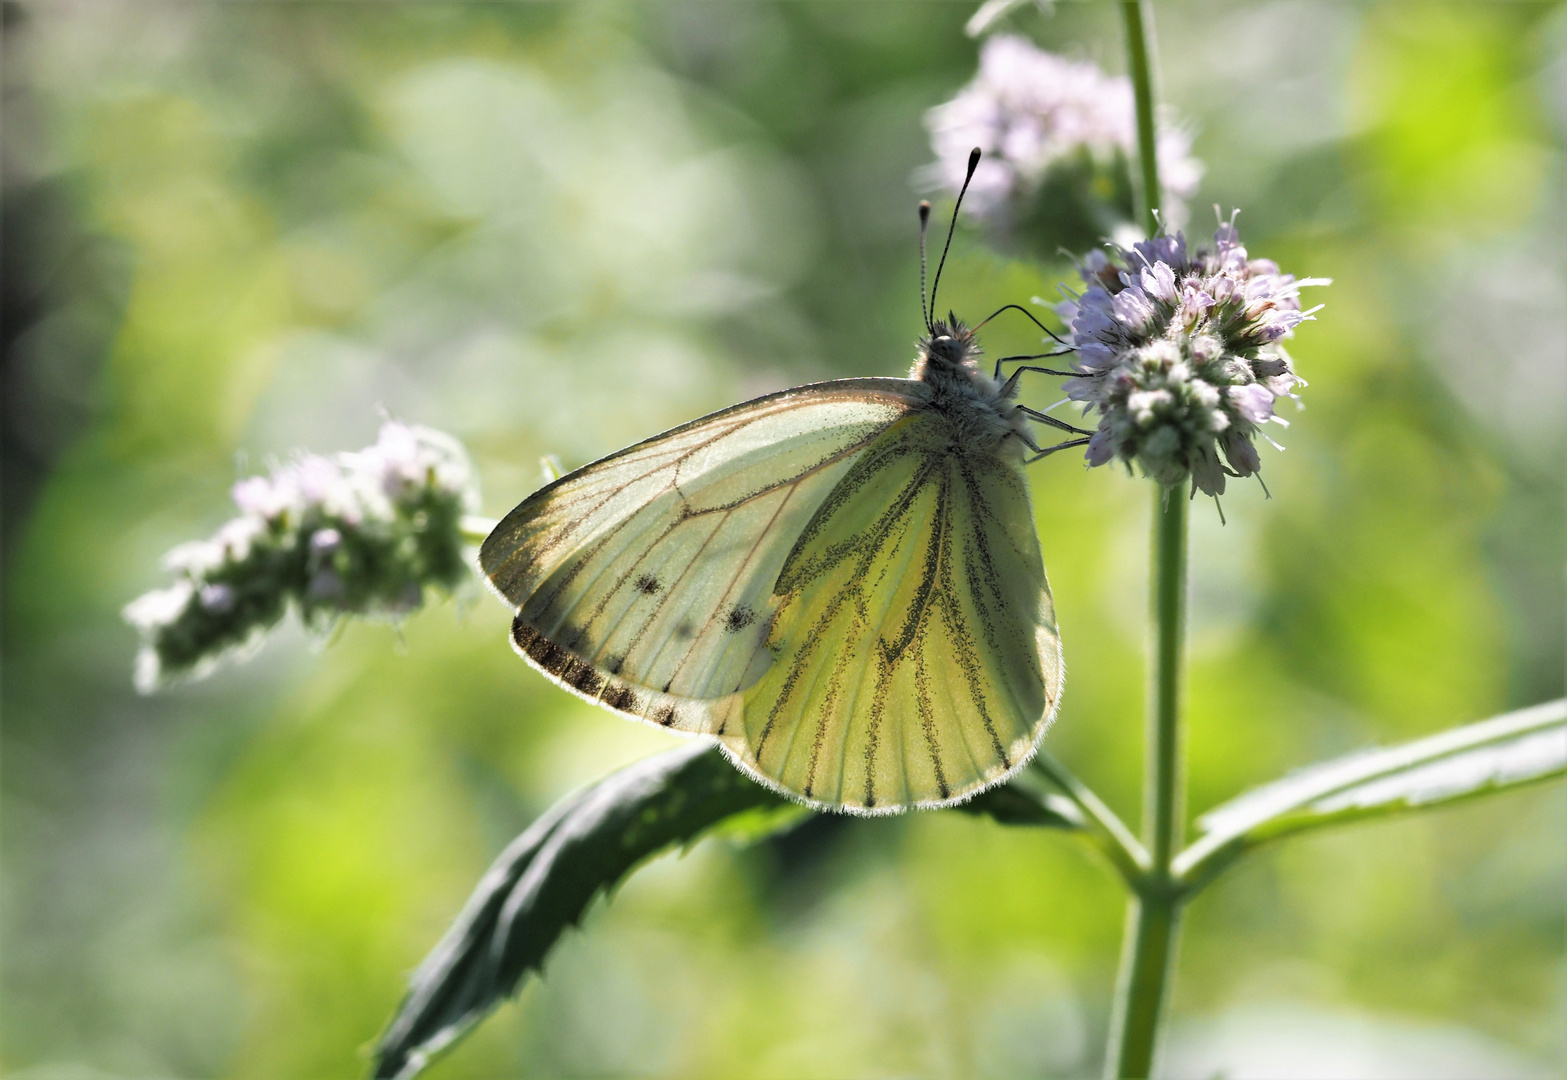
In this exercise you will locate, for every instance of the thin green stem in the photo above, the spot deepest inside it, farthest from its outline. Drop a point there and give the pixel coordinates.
(1154, 915)
(1138, 16)
(474, 528)
(1164, 808)
(1105, 829)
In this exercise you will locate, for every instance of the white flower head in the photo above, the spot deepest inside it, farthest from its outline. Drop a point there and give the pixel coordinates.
(153, 609)
(1029, 111)
(355, 534)
(1180, 354)
(408, 459)
(261, 497)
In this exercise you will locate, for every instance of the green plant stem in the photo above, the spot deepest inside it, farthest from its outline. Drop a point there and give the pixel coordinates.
(475, 528)
(1138, 16)
(1105, 829)
(1164, 805)
(1154, 914)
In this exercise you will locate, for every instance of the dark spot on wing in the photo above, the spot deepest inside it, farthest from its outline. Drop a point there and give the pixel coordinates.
(613, 664)
(522, 634)
(666, 716)
(647, 584)
(739, 618)
(621, 698)
(559, 662)
(685, 631)
(538, 648)
(581, 676)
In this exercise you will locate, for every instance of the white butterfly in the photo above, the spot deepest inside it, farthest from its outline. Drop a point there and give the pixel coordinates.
(840, 582)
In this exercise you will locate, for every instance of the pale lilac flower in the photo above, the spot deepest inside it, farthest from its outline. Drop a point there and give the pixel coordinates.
(218, 599)
(262, 497)
(360, 533)
(1029, 111)
(1180, 355)
(325, 541)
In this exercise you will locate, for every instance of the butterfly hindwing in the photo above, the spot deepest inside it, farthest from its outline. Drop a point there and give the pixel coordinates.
(645, 581)
(825, 579)
(917, 658)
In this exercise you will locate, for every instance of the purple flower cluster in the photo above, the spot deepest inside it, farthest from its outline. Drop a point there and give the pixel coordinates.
(1180, 353)
(1029, 110)
(356, 534)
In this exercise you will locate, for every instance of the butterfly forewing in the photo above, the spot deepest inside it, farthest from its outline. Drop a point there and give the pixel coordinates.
(645, 581)
(916, 654)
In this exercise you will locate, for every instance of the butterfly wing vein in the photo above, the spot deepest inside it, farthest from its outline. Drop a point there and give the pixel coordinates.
(917, 654)
(857, 611)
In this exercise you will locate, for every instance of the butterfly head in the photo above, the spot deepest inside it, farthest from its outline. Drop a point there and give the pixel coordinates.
(948, 348)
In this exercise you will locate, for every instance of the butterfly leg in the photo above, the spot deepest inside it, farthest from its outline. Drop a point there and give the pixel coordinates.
(1059, 425)
(1034, 356)
(1047, 451)
(1018, 373)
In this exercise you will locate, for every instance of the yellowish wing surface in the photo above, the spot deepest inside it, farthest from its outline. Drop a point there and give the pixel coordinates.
(645, 581)
(916, 657)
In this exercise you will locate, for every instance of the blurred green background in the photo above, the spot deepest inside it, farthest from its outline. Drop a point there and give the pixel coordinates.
(234, 230)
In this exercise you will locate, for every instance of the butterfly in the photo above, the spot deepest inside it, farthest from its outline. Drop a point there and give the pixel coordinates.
(841, 583)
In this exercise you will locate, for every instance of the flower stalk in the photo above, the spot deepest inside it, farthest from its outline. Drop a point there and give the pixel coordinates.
(1154, 912)
(1153, 916)
(473, 528)
(1139, 46)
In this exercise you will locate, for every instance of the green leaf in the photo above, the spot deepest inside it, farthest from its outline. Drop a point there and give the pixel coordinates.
(1493, 755)
(586, 844)
(544, 881)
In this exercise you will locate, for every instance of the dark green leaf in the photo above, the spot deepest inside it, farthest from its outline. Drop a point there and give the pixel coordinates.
(587, 843)
(544, 881)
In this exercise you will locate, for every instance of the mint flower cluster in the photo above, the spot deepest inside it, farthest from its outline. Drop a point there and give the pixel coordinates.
(1030, 112)
(355, 534)
(1181, 356)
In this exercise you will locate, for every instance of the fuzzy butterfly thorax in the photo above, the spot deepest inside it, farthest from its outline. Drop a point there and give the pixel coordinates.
(981, 408)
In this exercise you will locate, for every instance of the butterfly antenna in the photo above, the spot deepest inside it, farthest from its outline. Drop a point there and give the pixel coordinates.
(973, 163)
(924, 225)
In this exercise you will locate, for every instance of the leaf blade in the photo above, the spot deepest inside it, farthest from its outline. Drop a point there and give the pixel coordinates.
(545, 880)
(1497, 754)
